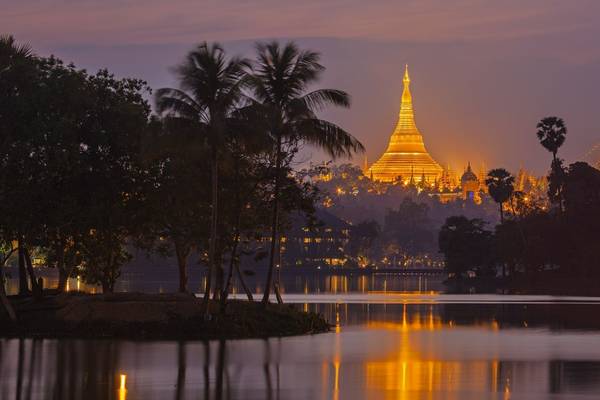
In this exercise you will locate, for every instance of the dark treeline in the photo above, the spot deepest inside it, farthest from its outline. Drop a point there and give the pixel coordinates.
(546, 244)
(87, 170)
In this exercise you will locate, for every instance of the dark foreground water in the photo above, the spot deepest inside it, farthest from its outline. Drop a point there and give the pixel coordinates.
(426, 346)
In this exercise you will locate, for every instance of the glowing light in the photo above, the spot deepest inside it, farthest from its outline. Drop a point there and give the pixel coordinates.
(122, 387)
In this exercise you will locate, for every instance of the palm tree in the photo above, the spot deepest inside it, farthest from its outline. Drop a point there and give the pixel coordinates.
(280, 84)
(211, 89)
(551, 131)
(500, 185)
(12, 54)
(17, 70)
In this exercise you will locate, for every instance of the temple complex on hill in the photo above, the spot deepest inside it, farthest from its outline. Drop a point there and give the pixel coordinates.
(406, 158)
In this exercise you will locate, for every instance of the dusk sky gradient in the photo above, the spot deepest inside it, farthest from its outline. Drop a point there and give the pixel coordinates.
(483, 72)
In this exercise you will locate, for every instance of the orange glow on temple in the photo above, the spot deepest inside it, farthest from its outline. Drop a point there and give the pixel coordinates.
(406, 157)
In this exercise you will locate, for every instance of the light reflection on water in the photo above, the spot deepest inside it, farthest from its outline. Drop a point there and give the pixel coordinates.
(377, 351)
(290, 282)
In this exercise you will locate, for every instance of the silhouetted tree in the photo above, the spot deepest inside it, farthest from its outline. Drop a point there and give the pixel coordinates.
(410, 227)
(174, 213)
(466, 245)
(18, 78)
(280, 84)
(552, 132)
(211, 91)
(362, 239)
(500, 185)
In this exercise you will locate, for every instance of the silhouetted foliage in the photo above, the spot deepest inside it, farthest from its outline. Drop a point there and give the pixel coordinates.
(552, 132)
(409, 229)
(466, 245)
(362, 241)
(500, 185)
(287, 111)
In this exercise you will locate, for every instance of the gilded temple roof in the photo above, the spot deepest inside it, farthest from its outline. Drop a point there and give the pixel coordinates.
(406, 150)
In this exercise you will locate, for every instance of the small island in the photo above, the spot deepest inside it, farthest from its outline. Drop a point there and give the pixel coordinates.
(153, 316)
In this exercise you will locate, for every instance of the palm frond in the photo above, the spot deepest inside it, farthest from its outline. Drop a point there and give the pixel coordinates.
(318, 100)
(177, 103)
(328, 136)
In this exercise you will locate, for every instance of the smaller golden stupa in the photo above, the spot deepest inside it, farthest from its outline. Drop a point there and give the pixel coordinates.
(406, 157)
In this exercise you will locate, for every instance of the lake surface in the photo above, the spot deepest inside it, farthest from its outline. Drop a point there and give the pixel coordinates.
(393, 340)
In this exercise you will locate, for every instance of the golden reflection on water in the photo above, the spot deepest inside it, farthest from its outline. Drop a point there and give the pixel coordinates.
(122, 387)
(406, 373)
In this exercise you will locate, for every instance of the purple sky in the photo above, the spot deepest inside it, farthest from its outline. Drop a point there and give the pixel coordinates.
(483, 72)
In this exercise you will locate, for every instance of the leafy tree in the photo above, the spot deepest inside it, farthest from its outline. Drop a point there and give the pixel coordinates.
(173, 211)
(211, 91)
(500, 185)
(362, 238)
(280, 84)
(18, 118)
(410, 227)
(109, 156)
(581, 225)
(103, 254)
(466, 244)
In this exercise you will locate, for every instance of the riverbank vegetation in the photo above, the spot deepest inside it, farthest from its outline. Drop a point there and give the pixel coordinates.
(539, 247)
(89, 171)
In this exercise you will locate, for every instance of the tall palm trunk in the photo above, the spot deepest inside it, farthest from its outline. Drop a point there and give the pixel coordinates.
(274, 223)
(501, 213)
(212, 246)
(225, 291)
(560, 191)
(236, 237)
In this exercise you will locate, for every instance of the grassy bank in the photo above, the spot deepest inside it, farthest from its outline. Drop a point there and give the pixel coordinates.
(152, 316)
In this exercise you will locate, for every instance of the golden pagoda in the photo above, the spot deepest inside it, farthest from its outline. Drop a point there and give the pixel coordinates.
(406, 157)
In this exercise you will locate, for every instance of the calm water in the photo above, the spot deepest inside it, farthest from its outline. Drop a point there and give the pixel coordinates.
(393, 344)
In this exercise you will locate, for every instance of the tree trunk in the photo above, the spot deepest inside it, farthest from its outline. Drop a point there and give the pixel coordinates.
(63, 274)
(37, 290)
(219, 276)
(63, 277)
(501, 214)
(108, 280)
(23, 287)
(274, 224)
(560, 188)
(182, 256)
(232, 260)
(213, 231)
(243, 283)
(4, 299)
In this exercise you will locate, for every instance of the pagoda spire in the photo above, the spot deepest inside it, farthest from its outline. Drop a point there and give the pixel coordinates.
(406, 150)
(406, 96)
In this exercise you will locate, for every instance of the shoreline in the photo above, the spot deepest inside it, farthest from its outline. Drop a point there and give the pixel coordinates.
(548, 283)
(138, 316)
